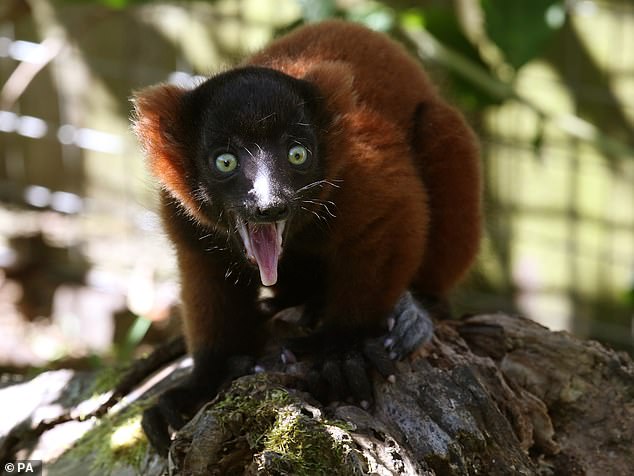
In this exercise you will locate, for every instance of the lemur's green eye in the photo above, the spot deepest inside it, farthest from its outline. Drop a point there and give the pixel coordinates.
(226, 162)
(297, 155)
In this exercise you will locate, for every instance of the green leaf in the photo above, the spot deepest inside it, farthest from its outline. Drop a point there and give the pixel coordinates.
(521, 28)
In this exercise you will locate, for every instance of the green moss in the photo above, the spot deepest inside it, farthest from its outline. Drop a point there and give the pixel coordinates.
(305, 445)
(117, 439)
(283, 438)
(284, 435)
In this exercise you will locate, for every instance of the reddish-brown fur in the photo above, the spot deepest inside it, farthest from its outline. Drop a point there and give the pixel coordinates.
(389, 81)
(408, 206)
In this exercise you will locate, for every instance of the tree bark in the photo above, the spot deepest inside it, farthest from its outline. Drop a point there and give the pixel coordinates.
(490, 394)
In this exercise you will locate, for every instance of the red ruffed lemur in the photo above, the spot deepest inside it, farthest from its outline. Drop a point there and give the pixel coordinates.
(327, 168)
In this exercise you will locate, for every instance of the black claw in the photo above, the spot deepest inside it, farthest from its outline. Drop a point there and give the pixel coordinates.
(288, 357)
(376, 354)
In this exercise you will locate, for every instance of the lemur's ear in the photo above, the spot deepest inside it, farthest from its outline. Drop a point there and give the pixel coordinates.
(158, 125)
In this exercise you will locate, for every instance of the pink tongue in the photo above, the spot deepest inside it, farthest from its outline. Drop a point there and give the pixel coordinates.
(266, 250)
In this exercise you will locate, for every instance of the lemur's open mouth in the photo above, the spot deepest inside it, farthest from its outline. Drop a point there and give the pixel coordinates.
(263, 246)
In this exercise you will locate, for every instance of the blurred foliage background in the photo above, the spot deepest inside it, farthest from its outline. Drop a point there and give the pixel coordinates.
(86, 276)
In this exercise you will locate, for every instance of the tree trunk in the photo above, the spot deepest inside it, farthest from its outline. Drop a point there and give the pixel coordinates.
(490, 394)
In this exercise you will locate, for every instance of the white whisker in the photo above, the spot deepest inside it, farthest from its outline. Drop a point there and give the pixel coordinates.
(317, 202)
(318, 183)
(249, 152)
(319, 217)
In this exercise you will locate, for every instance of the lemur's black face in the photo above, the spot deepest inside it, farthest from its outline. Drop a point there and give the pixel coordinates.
(257, 157)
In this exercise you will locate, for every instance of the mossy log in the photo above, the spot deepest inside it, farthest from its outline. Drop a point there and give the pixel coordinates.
(490, 394)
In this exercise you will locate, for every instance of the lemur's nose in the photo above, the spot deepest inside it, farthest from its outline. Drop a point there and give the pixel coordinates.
(272, 212)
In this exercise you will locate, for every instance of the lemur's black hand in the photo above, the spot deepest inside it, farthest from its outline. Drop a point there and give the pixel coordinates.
(409, 325)
(342, 364)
